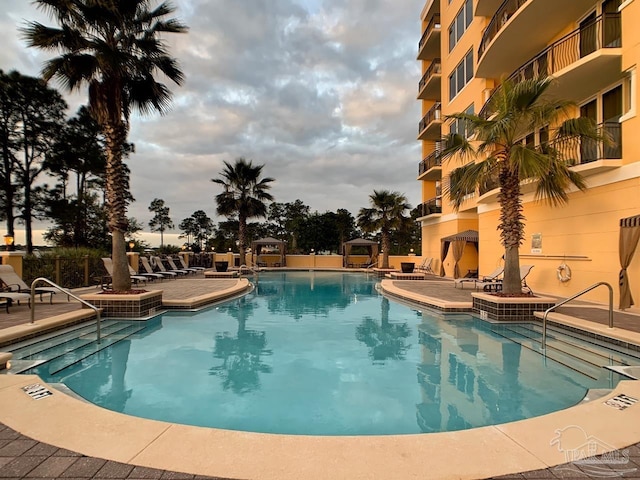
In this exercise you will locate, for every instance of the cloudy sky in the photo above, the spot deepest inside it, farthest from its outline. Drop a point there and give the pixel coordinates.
(322, 92)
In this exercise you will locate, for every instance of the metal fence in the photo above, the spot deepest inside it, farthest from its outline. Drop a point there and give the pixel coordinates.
(66, 272)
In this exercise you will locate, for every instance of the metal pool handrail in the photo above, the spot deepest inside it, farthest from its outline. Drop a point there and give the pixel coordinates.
(595, 285)
(66, 292)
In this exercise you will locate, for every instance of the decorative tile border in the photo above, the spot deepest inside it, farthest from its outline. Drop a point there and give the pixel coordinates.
(510, 309)
(135, 306)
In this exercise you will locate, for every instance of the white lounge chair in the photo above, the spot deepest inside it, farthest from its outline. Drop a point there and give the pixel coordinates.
(481, 281)
(497, 285)
(11, 297)
(175, 268)
(108, 265)
(12, 280)
(425, 266)
(149, 276)
(149, 269)
(157, 261)
(184, 265)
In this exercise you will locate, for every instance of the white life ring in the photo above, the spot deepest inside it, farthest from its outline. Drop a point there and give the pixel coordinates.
(564, 272)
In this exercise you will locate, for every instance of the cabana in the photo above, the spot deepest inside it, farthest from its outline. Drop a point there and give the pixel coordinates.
(270, 259)
(459, 241)
(371, 246)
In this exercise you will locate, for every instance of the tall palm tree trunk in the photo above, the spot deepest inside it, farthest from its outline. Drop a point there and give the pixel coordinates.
(242, 237)
(386, 246)
(512, 229)
(116, 135)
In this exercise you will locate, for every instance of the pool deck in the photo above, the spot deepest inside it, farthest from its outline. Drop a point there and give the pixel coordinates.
(59, 436)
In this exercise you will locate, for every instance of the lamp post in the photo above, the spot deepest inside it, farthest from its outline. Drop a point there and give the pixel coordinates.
(8, 242)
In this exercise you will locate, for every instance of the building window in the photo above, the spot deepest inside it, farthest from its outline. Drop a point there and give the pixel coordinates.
(460, 23)
(459, 125)
(462, 74)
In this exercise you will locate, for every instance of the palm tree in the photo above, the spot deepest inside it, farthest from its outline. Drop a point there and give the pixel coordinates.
(244, 195)
(515, 111)
(385, 215)
(115, 49)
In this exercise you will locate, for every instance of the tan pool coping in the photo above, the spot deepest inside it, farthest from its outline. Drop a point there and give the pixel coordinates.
(521, 446)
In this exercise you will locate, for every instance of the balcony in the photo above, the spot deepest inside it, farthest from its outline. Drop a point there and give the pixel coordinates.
(519, 29)
(429, 44)
(584, 62)
(431, 167)
(430, 126)
(429, 86)
(486, 8)
(589, 157)
(431, 207)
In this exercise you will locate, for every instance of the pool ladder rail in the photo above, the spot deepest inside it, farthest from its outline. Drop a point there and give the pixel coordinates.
(579, 294)
(69, 294)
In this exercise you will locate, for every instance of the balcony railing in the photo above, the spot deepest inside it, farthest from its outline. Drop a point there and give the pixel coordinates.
(604, 32)
(491, 184)
(432, 160)
(502, 16)
(431, 26)
(587, 150)
(431, 206)
(434, 114)
(434, 69)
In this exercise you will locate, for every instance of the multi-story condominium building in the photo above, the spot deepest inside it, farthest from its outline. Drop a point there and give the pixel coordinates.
(591, 48)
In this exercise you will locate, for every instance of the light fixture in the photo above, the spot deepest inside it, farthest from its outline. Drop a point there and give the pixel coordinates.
(411, 250)
(131, 245)
(8, 241)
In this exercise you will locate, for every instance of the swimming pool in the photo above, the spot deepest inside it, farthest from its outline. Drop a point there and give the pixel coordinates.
(322, 353)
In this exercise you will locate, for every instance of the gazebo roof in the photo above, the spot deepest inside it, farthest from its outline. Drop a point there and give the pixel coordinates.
(467, 236)
(267, 241)
(360, 241)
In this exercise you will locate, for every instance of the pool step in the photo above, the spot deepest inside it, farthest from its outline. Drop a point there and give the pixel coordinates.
(65, 359)
(57, 352)
(582, 346)
(519, 335)
(69, 340)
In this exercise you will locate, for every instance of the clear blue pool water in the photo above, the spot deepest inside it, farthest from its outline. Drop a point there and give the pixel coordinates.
(323, 353)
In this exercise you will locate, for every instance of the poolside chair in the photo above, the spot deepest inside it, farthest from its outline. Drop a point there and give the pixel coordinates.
(487, 282)
(157, 261)
(149, 269)
(470, 277)
(497, 285)
(15, 284)
(148, 276)
(108, 265)
(10, 297)
(174, 267)
(525, 270)
(425, 266)
(184, 265)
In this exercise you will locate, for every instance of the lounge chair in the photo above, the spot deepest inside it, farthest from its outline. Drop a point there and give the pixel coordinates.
(493, 278)
(158, 263)
(525, 270)
(175, 268)
(108, 265)
(425, 266)
(149, 269)
(148, 276)
(11, 297)
(184, 265)
(15, 284)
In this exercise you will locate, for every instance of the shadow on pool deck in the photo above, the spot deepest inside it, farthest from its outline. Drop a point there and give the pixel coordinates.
(24, 458)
